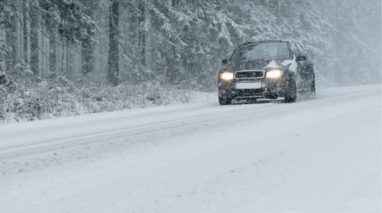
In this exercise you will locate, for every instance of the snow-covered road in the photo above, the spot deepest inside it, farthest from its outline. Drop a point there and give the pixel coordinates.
(318, 156)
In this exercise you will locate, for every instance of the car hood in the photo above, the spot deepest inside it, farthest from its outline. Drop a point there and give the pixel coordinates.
(259, 64)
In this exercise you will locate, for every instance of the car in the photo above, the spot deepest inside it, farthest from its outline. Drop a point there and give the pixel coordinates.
(269, 69)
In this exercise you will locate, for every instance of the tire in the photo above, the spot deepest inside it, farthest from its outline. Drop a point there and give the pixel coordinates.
(313, 90)
(291, 93)
(224, 101)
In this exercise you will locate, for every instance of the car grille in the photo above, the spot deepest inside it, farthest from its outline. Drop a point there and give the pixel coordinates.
(251, 92)
(249, 75)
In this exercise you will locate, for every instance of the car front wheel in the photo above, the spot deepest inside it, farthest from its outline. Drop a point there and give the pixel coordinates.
(313, 89)
(224, 101)
(291, 93)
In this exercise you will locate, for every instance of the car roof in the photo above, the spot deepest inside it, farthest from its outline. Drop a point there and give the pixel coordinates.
(266, 41)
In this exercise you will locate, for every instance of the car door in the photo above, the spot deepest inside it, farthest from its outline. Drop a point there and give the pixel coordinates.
(309, 69)
(300, 65)
(305, 68)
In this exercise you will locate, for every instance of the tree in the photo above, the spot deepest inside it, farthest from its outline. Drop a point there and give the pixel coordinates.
(142, 38)
(76, 26)
(11, 36)
(25, 31)
(174, 3)
(87, 40)
(34, 27)
(50, 17)
(113, 61)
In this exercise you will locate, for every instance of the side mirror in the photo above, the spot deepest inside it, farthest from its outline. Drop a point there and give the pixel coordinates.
(301, 58)
(224, 62)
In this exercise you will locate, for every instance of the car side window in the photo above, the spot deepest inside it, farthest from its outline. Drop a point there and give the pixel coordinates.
(295, 49)
(302, 50)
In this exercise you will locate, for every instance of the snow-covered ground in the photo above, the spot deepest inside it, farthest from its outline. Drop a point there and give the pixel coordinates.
(318, 156)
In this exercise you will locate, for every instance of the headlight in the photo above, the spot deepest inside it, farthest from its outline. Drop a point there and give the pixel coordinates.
(227, 76)
(274, 74)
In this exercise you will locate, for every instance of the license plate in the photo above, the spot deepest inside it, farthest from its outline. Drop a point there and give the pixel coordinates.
(252, 85)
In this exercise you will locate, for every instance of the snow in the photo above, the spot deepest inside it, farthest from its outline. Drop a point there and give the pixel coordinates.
(291, 64)
(272, 65)
(24, 100)
(319, 155)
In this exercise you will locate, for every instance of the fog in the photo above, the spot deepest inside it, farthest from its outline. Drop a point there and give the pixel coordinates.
(113, 50)
(357, 39)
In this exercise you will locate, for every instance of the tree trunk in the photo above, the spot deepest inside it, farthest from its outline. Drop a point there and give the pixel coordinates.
(113, 62)
(68, 69)
(87, 54)
(25, 32)
(142, 33)
(11, 38)
(52, 52)
(87, 44)
(142, 38)
(34, 48)
(174, 3)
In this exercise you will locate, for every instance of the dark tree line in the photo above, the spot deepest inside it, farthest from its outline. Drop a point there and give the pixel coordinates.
(70, 21)
(113, 71)
(172, 42)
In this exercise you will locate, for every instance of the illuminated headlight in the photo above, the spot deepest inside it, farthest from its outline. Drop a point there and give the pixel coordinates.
(227, 76)
(274, 74)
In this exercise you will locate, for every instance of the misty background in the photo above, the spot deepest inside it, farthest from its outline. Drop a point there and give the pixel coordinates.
(68, 57)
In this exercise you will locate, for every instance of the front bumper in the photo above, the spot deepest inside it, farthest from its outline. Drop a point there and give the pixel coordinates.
(271, 89)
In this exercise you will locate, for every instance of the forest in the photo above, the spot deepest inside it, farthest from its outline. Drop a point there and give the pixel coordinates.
(69, 57)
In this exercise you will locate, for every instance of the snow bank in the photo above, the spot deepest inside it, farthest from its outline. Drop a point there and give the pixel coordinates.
(36, 99)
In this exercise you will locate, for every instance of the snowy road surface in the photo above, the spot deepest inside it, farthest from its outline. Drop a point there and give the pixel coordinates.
(321, 155)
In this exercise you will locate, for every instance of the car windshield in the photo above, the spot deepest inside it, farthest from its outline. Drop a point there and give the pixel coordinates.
(266, 50)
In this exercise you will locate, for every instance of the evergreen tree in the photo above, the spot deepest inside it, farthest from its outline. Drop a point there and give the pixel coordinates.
(10, 35)
(34, 40)
(87, 39)
(50, 17)
(25, 31)
(113, 61)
